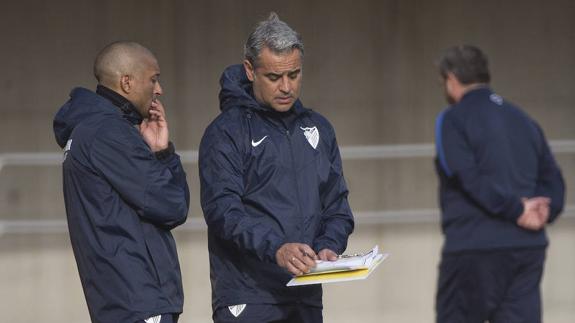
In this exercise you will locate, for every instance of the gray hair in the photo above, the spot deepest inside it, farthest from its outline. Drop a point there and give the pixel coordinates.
(274, 34)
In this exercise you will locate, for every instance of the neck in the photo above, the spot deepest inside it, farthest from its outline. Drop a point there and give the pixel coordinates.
(464, 89)
(473, 86)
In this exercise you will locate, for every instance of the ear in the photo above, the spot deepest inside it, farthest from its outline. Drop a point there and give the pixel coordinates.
(249, 70)
(452, 79)
(126, 83)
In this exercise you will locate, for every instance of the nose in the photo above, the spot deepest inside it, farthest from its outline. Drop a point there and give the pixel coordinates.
(285, 86)
(158, 90)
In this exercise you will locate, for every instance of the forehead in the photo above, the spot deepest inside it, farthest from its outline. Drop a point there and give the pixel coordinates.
(278, 63)
(149, 65)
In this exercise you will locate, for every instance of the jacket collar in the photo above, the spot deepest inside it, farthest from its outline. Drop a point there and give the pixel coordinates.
(129, 111)
(479, 90)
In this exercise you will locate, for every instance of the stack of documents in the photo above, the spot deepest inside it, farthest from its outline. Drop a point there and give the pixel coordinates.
(345, 268)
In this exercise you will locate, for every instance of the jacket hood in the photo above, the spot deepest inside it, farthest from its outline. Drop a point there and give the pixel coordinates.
(237, 91)
(82, 104)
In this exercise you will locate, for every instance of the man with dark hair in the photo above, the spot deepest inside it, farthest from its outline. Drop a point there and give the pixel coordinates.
(499, 187)
(272, 188)
(124, 189)
(467, 63)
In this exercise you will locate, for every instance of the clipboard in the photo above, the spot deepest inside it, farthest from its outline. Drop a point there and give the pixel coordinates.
(360, 268)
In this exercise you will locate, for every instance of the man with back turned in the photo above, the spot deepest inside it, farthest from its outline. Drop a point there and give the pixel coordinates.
(499, 187)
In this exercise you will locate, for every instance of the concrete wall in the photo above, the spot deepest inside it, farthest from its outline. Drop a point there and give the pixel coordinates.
(369, 68)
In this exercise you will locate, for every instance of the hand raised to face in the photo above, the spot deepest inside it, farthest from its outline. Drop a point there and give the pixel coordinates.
(154, 129)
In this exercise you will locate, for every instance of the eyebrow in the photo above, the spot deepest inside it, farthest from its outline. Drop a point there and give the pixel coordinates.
(287, 72)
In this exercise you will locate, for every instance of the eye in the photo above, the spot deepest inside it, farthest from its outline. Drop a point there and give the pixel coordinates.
(273, 77)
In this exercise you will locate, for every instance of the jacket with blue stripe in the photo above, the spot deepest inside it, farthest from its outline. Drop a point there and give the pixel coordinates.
(264, 184)
(121, 203)
(490, 155)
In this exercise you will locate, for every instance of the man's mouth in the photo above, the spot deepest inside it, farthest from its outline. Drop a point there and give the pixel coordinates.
(284, 100)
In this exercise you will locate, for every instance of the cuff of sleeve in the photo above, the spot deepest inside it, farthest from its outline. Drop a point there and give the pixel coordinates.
(274, 249)
(516, 210)
(165, 153)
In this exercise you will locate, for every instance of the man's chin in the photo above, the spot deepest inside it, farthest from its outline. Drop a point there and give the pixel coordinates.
(282, 107)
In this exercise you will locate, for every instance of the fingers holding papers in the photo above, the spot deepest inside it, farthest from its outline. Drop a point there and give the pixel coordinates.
(327, 254)
(297, 258)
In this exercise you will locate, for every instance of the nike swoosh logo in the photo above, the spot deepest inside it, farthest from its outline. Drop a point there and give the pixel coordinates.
(257, 143)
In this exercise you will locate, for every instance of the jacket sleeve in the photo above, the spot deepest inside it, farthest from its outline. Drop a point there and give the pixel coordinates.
(337, 220)
(222, 188)
(549, 180)
(156, 189)
(474, 170)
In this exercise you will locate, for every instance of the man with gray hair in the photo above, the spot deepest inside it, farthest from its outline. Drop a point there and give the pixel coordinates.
(272, 188)
(124, 190)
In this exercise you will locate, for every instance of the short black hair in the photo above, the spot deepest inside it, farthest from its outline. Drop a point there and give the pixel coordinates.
(468, 63)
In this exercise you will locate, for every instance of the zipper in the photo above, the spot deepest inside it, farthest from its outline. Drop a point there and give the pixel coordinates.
(299, 212)
(285, 131)
(288, 135)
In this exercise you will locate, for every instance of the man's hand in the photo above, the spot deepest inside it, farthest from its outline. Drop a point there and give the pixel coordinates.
(154, 129)
(327, 255)
(544, 211)
(297, 258)
(535, 213)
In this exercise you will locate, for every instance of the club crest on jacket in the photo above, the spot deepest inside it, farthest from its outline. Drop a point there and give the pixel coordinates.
(312, 136)
(236, 310)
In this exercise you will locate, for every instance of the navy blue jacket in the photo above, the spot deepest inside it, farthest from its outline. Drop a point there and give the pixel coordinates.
(262, 185)
(490, 154)
(121, 203)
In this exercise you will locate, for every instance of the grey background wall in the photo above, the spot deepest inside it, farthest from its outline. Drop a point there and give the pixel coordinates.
(369, 68)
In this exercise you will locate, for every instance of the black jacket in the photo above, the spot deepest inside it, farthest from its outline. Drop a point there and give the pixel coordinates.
(490, 155)
(121, 203)
(265, 182)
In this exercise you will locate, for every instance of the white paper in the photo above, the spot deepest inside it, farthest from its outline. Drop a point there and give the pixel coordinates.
(334, 276)
(346, 262)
